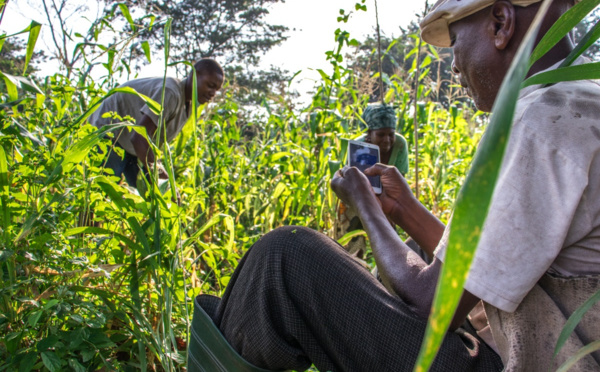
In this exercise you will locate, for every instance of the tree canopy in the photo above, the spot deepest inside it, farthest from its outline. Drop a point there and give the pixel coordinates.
(233, 31)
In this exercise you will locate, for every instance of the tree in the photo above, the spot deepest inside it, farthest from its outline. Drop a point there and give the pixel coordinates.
(12, 58)
(398, 57)
(234, 31)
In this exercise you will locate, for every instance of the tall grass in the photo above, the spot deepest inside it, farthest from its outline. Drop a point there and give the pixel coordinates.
(94, 275)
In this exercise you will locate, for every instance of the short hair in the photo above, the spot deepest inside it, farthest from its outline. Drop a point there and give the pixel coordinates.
(208, 65)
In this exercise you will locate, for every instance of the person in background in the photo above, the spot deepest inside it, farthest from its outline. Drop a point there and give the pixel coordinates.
(393, 150)
(297, 298)
(381, 123)
(176, 111)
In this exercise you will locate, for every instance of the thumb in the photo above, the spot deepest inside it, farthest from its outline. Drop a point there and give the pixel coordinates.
(376, 170)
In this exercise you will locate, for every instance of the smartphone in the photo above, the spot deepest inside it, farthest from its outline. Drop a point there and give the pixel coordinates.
(363, 155)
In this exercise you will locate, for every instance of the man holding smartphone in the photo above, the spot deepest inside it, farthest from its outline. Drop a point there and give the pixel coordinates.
(296, 298)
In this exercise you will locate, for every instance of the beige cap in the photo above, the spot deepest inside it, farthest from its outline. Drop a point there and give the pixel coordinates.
(434, 27)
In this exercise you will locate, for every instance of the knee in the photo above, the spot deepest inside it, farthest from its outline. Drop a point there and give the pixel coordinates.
(293, 242)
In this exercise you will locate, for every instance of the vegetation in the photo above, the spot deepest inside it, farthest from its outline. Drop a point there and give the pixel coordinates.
(233, 31)
(94, 275)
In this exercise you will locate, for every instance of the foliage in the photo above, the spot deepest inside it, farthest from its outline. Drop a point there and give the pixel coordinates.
(474, 198)
(234, 32)
(398, 59)
(12, 58)
(94, 275)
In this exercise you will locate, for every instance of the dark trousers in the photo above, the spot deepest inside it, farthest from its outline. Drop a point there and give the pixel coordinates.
(298, 298)
(126, 166)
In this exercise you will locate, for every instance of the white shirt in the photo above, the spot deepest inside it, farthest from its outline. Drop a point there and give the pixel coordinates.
(175, 114)
(545, 211)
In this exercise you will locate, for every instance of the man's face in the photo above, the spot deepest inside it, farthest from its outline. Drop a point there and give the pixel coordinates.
(208, 85)
(476, 59)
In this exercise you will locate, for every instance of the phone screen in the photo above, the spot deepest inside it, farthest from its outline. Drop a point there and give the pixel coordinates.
(362, 157)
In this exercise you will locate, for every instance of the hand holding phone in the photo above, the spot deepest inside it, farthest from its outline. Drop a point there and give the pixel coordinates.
(363, 155)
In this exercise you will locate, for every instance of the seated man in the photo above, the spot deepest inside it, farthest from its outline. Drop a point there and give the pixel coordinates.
(296, 297)
(177, 109)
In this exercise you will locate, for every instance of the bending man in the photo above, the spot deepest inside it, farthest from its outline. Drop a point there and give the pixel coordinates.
(177, 108)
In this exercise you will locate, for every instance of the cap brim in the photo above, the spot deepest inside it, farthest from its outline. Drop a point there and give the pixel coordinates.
(436, 33)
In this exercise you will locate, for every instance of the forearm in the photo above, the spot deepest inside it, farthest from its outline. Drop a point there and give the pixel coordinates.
(402, 271)
(142, 149)
(419, 223)
(140, 143)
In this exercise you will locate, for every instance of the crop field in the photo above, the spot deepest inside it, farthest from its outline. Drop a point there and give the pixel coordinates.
(95, 275)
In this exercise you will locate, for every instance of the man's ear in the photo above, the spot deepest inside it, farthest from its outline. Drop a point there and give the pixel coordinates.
(504, 18)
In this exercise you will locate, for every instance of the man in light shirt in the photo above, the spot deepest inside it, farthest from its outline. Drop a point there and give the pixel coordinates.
(176, 111)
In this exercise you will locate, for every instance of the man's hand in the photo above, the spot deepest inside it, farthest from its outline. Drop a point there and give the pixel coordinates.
(162, 173)
(350, 185)
(395, 192)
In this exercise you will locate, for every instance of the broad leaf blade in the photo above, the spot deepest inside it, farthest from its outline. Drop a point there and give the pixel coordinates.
(4, 189)
(562, 27)
(588, 40)
(127, 15)
(11, 86)
(474, 199)
(34, 32)
(146, 48)
(152, 104)
(578, 72)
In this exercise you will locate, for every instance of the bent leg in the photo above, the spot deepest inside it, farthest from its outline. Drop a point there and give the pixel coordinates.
(297, 298)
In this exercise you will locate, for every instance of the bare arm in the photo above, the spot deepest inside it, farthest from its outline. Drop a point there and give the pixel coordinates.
(142, 147)
(404, 209)
(140, 144)
(402, 271)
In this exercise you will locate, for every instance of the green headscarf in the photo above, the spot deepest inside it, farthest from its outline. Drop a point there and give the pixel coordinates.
(379, 117)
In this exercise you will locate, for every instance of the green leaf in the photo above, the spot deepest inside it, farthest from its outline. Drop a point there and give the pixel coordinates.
(28, 362)
(11, 86)
(100, 340)
(350, 235)
(562, 27)
(127, 15)
(146, 48)
(34, 318)
(98, 230)
(473, 201)
(588, 40)
(34, 32)
(152, 104)
(167, 39)
(571, 73)
(574, 319)
(77, 367)
(588, 349)
(82, 147)
(4, 188)
(110, 188)
(29, 85)
(51, 361)
(47, 343)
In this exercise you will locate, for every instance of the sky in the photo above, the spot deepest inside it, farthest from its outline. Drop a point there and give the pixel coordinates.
(311, 22)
